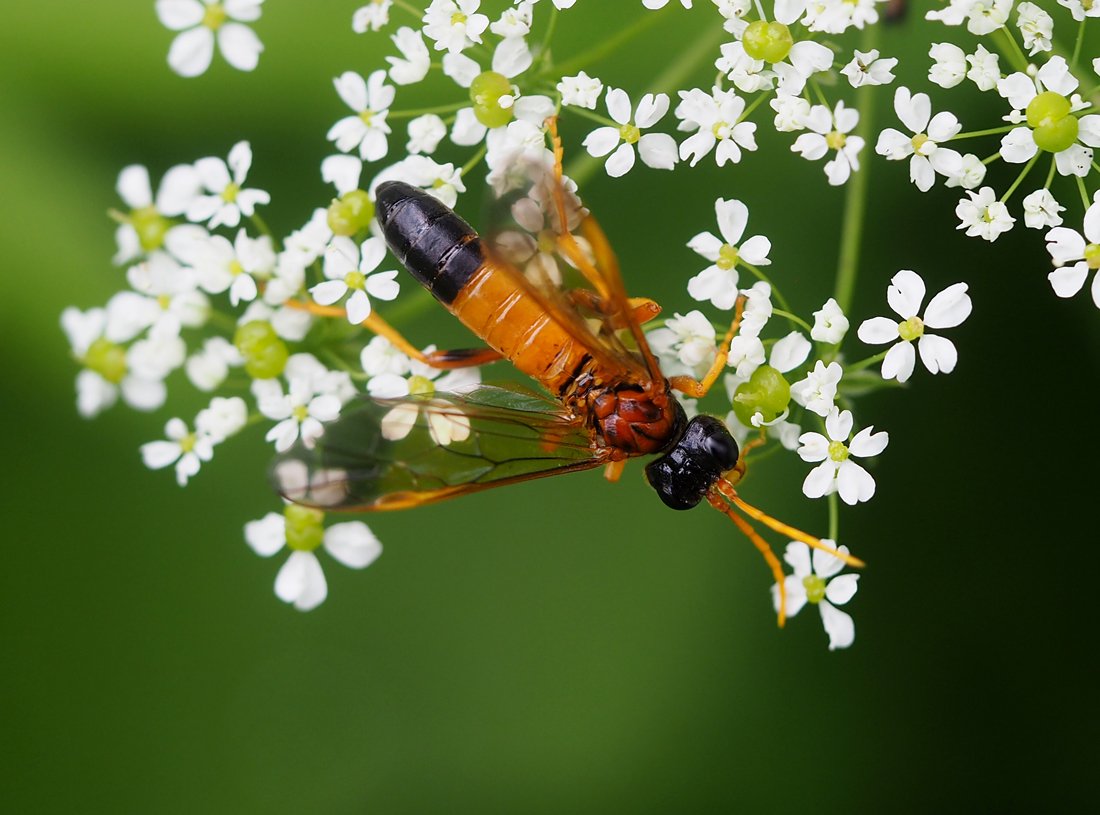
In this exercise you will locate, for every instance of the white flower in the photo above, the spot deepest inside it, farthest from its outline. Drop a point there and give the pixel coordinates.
(830, 324)
(499, 102)
(928, 158)
(171, 296)
(380, 356)
(223, 418)
(983, 215)
(787, 353)
(791, 113)
(830, 131)
(371, 17)
(734, 11)
(1036, 27)
(817, 392)
(820, 585)
(1066, 245)
(300, 580)
(716, 118)
(208, 367)
(658, 150)
(981, 16)
(367, 129)
(1019, 145)
(656, 4)
(758, 309)
(1041, 210)
(838, 472)
(837, 16)
(685, 345)
(414, 62)
(348, 272)
(301, 248)
(514, 22)
(425, 134)
(146, 228)
(200, 24)
(221, 265)
(949, 64)
(718, 282)
(226, 199)
(454, 24)
(905, 296)
(869, 69)
(442, 181)
(581, 90)
(985, 68)
(185, 449)
(1080, 9)
(300, 411)
(445, 426)
(970, 175)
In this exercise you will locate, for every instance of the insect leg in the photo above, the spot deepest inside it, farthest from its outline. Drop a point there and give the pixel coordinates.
(698, 388)
(642, 309)
(614, 470)
(461, 358)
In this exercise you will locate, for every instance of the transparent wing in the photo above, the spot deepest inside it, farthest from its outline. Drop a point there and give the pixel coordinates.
(538, 225)
(385, 454)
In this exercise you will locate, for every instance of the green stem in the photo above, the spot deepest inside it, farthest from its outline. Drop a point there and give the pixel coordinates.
(473, 162)
(779, 298)
(753, 105)
(834, 518)
(609, 45)
(1084, 192)
(990, 159)
(410, 8)
(855, 202)
(1008, 46)
(408, 114)
(1050, 173)
(595, 117)
(1077, 45)
(866, 363)
(792, 318)
(1020, 177)
(990, 132)
(544, 51)
(261, 225)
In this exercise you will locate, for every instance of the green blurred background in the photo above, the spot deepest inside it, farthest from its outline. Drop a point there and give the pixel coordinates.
(560, 646)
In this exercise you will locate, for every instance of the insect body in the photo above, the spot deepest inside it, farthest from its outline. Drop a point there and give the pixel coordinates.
(564, 320)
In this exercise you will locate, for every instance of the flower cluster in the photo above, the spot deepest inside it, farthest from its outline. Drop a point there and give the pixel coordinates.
(283, 331)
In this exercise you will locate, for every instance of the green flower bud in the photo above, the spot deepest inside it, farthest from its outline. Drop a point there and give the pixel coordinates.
(350, 214)
(770, 42)
(151, 227)
(264, 353)
(767, 392)
(1055, 128)
(815, 588)
(305, 529)
(106, 359)
(485, 92)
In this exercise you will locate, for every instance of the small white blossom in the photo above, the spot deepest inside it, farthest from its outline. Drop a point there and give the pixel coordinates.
(970, 175)
(718, 282)
(301, 580)
(445, 427)
(146, 228)
(928, 158)
(867, 68)
(985, 68)
(201, 24)
(350, 274)
(454, 25)
(442, 181)
(299, 412)
(1080, 9)
(838, 471)
(830, 324)
(1036, 27)
(982, 215)
(791, 113)
(1082, 250)
(906, 295)
(208, 367)
(226, 199)
(820, 584)
(514, 22)
(1041, 210)
(830, 131)
(658, 150)
(981, 16)
(224, 417)
(370, 100)
(949, 66)
(372, 17)
(185, 449)
(380, 356)
(817, 392)
(581, 90)
(234, 267)
(716, 118)
(414, 62)
(425, 134)
(685, 345)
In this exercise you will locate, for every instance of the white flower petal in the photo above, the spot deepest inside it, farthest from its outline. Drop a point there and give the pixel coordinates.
(905, 293)
(301, 581)
(948, 308)
(601, 141)
(878, 330)
(820, 480)
(353, 544)
(838, 625)
(937, 353)
(240, 46)
(842, 589)
(619, 163)
(267, 535)
(899, 362)
(854, 483)
(191, 52)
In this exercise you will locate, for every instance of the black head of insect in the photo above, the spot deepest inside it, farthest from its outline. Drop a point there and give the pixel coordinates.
(694, 463)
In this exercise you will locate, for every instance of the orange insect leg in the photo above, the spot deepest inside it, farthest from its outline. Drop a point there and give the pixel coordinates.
(699, 388)
(614, 470)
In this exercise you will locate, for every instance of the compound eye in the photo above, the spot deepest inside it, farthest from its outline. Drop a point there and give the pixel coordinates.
(722, 448)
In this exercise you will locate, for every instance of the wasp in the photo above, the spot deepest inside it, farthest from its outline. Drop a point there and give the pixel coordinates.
(564, 320)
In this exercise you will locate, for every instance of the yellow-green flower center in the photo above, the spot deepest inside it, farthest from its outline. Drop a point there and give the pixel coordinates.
(919, 141)
(727, 257)
(770, 42)
(421, 386)
(214, 17)
(458, 18)
(366, 116)
(164, 301)
(187, 443)
(911, 329)
(355, 280)
(235, 268)
(630, 133)
(836, 140)
(305, 529)
(1092, 255)
(150, 226)
(838, 451)
(721, 130)
(548, 241)
(300, 413)
(106, 359)
(229, 194)
(815, 588)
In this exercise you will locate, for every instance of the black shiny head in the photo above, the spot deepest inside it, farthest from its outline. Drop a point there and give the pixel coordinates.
(694, 464)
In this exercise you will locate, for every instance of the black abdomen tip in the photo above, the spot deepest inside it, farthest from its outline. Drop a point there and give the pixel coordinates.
(439, 248)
